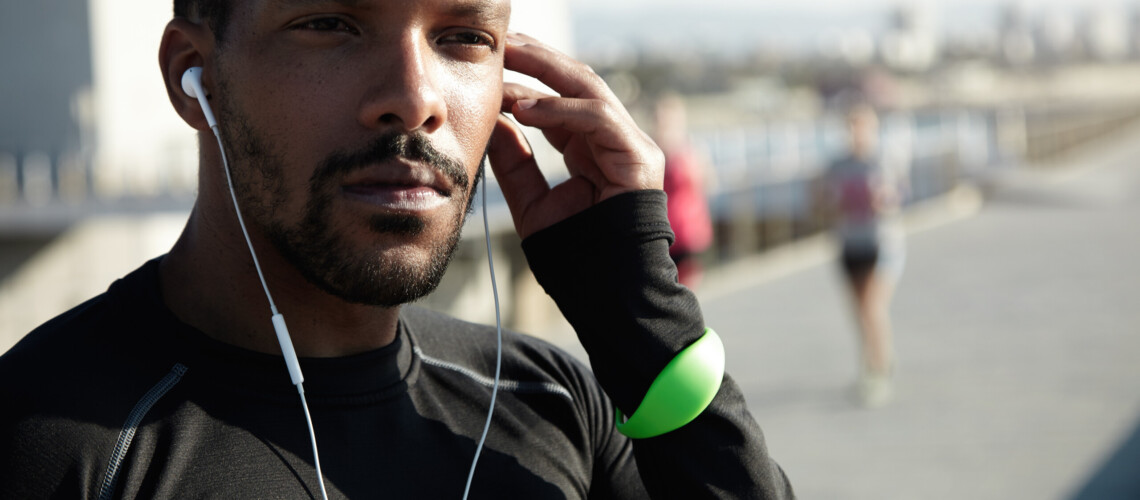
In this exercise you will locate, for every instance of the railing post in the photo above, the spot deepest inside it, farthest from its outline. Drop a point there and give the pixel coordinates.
(54, 159)
(21, 195)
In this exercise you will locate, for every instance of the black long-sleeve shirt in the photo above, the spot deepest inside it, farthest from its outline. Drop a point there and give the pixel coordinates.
(118, 398)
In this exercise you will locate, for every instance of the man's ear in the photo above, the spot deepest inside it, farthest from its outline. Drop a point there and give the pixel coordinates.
(186, 44)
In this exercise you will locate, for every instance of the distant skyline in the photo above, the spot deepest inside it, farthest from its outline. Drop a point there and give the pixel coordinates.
(602, 26)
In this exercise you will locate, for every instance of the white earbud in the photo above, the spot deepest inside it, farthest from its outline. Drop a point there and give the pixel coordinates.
(192, 86)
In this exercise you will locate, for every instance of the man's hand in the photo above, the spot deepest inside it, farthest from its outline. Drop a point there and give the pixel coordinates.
(604, 150)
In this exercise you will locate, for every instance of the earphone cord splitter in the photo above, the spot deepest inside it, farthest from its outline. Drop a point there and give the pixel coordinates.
(290, 355)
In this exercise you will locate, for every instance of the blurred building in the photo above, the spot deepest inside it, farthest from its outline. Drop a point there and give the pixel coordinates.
(912, 42)
(1106, 34)
(1018, 47)
(1134, 29)
(45, 94)
(1056, 36)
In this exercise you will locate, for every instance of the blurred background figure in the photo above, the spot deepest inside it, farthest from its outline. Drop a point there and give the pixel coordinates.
(685, 185)
(865, 190)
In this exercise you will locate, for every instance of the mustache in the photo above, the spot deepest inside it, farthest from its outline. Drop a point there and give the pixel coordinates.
(390, 146)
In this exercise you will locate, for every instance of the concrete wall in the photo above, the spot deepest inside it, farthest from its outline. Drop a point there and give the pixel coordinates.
(46, 61)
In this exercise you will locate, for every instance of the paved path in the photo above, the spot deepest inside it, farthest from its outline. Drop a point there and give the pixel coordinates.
(1018, 332)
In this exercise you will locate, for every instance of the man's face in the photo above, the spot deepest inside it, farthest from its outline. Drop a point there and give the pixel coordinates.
(355, 130)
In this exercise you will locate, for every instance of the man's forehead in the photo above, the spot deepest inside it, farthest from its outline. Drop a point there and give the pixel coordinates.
(492, 10)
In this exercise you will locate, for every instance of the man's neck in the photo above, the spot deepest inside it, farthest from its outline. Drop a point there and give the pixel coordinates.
(209, 281)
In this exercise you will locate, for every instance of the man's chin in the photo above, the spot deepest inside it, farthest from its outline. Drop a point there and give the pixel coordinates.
(393, 268)
(385, 259)
(406, 225)
(384, 284)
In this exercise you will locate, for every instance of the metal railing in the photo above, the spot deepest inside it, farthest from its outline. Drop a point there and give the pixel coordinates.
(763, 192)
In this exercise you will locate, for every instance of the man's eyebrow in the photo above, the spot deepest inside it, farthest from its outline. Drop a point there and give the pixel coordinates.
(489, 10)
(294, 3)
(484, 10)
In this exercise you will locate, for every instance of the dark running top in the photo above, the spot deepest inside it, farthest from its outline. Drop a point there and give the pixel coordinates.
(118, 398)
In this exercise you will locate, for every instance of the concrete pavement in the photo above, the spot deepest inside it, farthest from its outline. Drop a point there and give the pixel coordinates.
(1018, 333)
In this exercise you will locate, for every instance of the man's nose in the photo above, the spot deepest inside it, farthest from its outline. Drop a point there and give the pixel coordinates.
(405, 94)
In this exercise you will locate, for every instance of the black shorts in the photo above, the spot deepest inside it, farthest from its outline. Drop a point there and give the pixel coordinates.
(859, 261)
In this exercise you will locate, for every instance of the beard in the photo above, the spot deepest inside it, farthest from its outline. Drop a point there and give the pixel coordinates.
(315, 246)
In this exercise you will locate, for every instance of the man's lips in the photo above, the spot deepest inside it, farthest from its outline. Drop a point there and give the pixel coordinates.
(398, 186)
(395, 197)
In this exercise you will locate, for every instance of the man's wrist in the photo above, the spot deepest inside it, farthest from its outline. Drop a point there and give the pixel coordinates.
(637, 215)
(608, 270)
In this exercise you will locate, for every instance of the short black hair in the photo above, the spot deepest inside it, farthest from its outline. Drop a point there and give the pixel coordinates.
(216, 13)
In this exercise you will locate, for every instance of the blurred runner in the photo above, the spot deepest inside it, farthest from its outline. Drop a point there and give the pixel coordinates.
(865, 193)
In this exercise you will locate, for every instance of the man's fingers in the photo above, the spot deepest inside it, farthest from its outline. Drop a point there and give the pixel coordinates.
(512, 160)
(604, 150)
(625, 155)
(565, 75)
(514, 92)
(560, 118)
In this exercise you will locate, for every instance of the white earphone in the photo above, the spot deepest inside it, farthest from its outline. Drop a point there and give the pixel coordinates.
(192, 86)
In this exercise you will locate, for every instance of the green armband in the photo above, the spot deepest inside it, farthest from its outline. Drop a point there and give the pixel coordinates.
(682, 390)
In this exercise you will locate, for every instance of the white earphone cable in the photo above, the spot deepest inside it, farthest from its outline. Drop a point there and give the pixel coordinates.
(499, 340)
(241, 221)
(313, 440)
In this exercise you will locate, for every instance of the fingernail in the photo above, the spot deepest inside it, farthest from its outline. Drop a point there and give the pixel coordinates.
(513, 38)
(527, 103)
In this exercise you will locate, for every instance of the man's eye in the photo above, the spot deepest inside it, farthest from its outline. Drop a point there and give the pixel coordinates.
(334, 24)
(469, 38)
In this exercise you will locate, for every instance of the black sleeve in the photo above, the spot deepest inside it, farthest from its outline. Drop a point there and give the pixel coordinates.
(609, 271)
